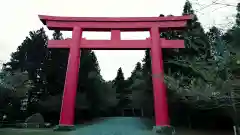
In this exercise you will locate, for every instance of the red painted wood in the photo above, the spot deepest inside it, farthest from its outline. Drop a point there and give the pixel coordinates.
(71, 81)
(120, 44)
(115, 25)
(59, 43)
(172, 43)
(45, 18)
(115, 35)
(159, 90)
(107, 23)
(107, 26)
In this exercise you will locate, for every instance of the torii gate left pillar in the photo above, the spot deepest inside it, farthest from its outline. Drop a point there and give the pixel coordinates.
(152, 24)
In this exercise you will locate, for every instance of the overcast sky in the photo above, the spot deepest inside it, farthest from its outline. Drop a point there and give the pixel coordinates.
(18, 17)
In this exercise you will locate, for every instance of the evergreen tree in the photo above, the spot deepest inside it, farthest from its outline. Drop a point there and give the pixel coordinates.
(121, 89)
(47, 69)
(147, 71)
(57, 35)
(31, 57)
(236, 46)
(238, 15)
(90, 81)
(197, 49)
(196, 41)
(147, 85)
(137, 69)
(136, 73)
(231, 34)
(56, 66)
(147, 63)
(231, 37)
(236, 33)
(119, 82)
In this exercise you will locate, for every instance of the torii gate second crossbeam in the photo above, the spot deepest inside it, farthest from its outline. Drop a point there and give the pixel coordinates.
(77, 25)
(116, 45)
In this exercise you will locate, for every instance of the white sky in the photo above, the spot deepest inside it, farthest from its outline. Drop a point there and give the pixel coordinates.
(18, 17)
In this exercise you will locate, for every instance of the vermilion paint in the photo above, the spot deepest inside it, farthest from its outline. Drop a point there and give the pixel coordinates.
(78, 24)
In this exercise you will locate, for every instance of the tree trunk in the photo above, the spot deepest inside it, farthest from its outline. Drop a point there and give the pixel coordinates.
(234, 116)
(189, 122)
(133, 111)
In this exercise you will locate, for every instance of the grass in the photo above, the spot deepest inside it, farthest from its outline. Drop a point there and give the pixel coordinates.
(13, 131)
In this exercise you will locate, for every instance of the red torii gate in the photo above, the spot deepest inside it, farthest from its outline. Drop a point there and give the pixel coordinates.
(79, 24)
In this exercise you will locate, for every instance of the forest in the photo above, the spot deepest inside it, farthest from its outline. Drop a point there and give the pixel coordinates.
(202, 80)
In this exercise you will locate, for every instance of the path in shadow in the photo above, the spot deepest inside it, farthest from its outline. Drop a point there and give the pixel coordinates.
(116, 126)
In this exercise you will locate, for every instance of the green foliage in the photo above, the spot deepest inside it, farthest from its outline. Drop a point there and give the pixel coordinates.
(31, 57)
(195, 39)
(46, 68)
(55, 67)
(122, 92)
(136, 73)
(140, 85)
(147, 71)
(119, 81)
(57, 35)
(17, 82)
(187, 9)
(203, 75)
(238, 15)
(14, 86)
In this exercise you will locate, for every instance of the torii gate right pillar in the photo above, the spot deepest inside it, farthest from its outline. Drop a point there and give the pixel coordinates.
(159, 89)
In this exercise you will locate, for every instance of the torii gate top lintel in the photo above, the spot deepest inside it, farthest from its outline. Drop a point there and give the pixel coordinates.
(109, 23)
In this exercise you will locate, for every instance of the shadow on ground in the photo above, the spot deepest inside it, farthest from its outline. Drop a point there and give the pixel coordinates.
(103, 126)
(107, 126)
(117, 126)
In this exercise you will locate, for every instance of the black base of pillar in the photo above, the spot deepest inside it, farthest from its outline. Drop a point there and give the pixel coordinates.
(64, 128)
(164, 130)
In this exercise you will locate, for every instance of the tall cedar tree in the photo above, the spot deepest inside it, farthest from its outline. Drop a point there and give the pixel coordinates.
(147, 71)
(231, 37)
(31, 56)
(121, 89)
(119, 81)
(136, 74)
(197, 47)
(47, 67)
(56, 66)
(88, 85)
(137, 70)
(196, 40)
(238, 15)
